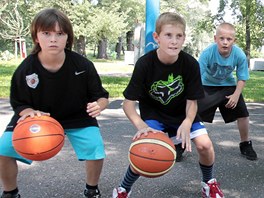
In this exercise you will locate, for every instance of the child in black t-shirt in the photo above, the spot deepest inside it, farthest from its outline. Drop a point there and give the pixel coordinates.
(167, 84)
(55, 81)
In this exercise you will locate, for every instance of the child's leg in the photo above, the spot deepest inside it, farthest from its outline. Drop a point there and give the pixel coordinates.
(8, 164)
(124, 189)
(129, 179)
(93, 171)
(88, 145)
(205, 149)
(8, 173)
(206, 153)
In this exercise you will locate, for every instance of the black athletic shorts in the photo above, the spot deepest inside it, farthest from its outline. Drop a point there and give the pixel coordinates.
(215, 97)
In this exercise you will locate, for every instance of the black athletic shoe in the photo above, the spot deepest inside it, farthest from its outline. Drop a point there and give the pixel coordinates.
(179, 151)
(247, 150)
(92, 193)
(8, 195)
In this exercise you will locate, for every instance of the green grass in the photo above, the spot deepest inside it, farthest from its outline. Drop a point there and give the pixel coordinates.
(115, 85)
(253, 92)
(6, 71)
(254, 89)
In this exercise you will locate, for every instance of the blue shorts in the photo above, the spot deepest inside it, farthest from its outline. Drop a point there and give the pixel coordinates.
(197, 129)
(87, 143)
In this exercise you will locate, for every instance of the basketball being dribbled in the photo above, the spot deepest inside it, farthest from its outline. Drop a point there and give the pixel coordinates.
(38, 138)
(152, 155)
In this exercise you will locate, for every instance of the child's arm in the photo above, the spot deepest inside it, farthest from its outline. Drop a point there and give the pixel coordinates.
(185, 128)
(94, 109)
(130, 111)
(232, 99)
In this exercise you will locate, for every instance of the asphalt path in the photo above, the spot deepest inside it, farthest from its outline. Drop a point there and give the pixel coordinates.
(63, 176)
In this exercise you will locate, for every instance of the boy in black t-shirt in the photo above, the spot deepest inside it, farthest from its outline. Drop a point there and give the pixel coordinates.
(55, 81)
(167, 84)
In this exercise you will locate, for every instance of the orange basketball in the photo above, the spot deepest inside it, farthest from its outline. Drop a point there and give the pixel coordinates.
(38, 138)
(152, 155)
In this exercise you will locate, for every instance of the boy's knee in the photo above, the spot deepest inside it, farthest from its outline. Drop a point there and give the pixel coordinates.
(205, 147)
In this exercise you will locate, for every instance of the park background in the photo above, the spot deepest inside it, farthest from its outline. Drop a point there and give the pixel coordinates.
(113, 34)
(101, 22)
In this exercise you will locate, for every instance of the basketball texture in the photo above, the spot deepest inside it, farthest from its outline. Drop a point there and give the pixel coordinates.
(152, 155)
(38, 138)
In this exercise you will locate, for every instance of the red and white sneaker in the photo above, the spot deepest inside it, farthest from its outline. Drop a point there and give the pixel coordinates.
(211, 189)
(120, 192)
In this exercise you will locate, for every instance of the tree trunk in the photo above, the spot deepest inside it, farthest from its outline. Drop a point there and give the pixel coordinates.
(102, 47)
(118, 48)
(129, 39)
(248, 4)
(94, 50)
(80, 45)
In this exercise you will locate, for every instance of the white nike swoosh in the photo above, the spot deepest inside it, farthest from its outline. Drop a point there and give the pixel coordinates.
(78, 73)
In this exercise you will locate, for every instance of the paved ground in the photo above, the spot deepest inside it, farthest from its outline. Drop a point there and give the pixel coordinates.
(63, 176)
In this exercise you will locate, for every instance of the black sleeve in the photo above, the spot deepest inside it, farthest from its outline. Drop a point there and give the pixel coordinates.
(194, 88)
(135, 88)
(95, 87)
(19, 92)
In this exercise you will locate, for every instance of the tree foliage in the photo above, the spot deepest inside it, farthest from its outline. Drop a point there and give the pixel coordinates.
(107, 22)
(12, 22)
(112, 20)
(250, 13)
(198, 20)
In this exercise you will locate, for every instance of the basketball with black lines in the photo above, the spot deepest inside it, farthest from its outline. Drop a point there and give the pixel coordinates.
(152, 155)
(38, 138)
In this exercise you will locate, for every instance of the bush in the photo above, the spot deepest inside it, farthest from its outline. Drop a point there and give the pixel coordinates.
(6, 55)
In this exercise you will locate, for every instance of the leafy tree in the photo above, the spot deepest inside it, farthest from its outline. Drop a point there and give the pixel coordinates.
(108, 23)
(78, 13)
(198, 20)
(248, 19)
(12, 23)
(135, 10)
(250, 23)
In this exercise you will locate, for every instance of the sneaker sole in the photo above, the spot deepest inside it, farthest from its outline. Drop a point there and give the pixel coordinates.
(249, 158)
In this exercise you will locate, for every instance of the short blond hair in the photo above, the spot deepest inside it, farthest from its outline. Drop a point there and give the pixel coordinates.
(169, 18)
(227, 26)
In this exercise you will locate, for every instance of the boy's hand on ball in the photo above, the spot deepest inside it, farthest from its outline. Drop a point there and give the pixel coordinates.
(31, 113)
(145, 132)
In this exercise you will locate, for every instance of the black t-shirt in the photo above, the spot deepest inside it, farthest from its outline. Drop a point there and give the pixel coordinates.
(162, 90)
(64, 94)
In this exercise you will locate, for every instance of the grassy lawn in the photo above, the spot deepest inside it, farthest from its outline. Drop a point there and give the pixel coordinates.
(254, 89)
(6, 71)
(253, 92)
